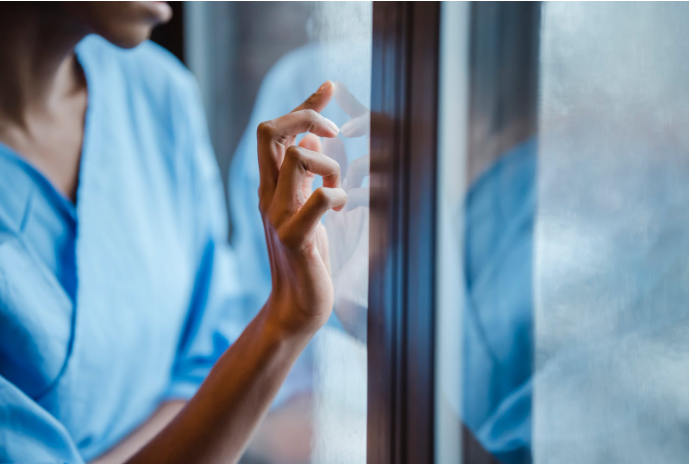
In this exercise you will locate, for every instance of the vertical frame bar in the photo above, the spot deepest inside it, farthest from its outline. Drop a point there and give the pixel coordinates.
(453, 109)
(402, 232)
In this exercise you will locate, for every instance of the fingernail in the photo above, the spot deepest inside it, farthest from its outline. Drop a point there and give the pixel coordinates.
(325, 86)
(332, 125)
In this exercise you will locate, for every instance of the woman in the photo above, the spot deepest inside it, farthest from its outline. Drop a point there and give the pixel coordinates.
(114, 271)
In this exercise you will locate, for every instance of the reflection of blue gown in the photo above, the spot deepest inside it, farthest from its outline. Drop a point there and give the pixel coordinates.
(111, 306)
(498, 326)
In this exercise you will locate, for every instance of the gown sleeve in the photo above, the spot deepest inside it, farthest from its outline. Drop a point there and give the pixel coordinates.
(215, 319)
(29, 434)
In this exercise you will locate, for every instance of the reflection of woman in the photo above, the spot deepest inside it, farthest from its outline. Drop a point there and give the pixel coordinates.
(114, 274)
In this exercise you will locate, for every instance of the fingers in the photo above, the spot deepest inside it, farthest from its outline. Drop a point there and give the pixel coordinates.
(358, 197)
(357, 127)
(357, 171)
(313, 143)
(336, 150)
(305, 221)
(296, 167)
(295, 123)
(360, 123)
(348, 102)
(319, 99)
(274, 134)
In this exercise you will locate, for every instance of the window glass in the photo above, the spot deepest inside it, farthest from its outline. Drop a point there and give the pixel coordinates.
(453, 105)
(263, 59)
(571, 160)
(610, 269)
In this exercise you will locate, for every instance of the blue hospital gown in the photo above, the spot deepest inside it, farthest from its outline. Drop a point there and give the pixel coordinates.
(112, 305)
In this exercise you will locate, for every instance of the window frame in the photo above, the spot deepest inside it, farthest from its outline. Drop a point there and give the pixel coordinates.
(404, 104)
(503, 52)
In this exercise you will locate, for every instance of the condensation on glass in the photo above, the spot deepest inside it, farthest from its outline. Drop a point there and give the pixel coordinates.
(611, 274)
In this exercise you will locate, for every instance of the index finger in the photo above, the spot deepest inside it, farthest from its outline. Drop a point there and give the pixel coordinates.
(319, 99)
(274, 135)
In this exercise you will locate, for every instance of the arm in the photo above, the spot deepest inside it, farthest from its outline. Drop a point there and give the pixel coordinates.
(143, 434)
(218, 421)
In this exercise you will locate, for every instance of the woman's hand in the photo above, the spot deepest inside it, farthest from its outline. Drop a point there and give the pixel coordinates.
(302, 293)
(217, 423)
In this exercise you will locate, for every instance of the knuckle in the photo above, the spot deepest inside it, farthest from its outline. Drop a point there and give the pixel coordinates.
(293, 153)
(321, 197)
(265, 130)
(296, 157)
(311, 114)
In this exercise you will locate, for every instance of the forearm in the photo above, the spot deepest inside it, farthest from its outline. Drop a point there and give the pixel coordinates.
(138, 438)
(217, 423)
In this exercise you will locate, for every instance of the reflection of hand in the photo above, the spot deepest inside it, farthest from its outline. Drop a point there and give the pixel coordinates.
(348, 230)
(302, 293)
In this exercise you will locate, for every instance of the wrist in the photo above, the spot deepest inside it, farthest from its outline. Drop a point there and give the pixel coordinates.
(280, 322)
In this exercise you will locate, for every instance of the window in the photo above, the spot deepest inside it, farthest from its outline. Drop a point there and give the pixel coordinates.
(521, 296)
(562, 155)
(255, 62)
(609, 271)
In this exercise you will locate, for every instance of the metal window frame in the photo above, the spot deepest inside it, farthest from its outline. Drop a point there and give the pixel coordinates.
(404, 93)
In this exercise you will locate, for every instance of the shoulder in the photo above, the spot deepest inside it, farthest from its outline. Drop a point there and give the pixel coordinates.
(151, 92)
(153, 108)
(148, 73)
(148, 61)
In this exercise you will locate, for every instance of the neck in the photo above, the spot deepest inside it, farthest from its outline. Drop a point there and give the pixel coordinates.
(40, 62)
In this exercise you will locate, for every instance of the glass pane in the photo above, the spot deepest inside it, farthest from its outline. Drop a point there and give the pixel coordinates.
(264, 59)
(610, 272)
(486, 214)
(452, 141)
(573, 160)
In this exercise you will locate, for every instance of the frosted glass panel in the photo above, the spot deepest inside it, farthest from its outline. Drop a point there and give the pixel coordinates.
(611, 273)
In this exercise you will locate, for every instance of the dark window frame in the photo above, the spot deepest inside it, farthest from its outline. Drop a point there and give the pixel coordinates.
(504, 41)
(404, 105)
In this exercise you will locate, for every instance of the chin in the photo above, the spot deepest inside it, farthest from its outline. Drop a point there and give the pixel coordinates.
(125, 24)
(127, 39)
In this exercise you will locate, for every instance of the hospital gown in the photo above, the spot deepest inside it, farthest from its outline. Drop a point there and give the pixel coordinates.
(127, 298)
